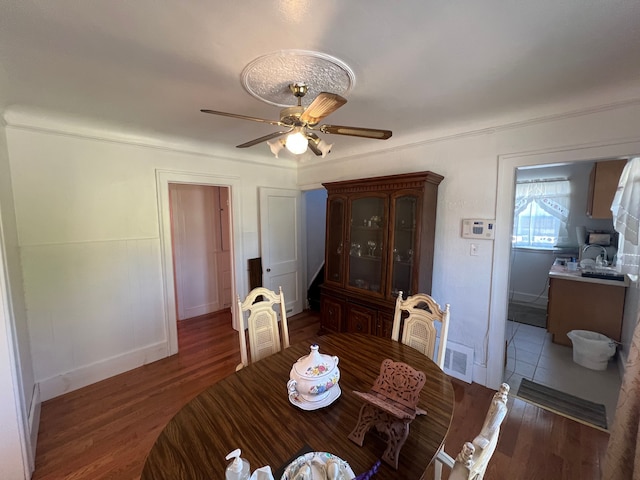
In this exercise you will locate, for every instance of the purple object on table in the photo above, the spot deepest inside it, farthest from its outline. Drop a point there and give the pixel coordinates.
(370, 473)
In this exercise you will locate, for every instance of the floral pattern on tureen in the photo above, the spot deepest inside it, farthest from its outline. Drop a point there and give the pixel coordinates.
(317, 389)
(317, 370)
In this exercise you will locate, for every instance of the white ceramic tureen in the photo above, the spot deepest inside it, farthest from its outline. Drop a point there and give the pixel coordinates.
(314, 377)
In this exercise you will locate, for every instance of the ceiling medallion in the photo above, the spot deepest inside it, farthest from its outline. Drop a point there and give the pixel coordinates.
(268, 77)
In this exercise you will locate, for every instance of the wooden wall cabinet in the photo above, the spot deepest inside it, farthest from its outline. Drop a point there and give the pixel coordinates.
(603, 183)
(379, 241)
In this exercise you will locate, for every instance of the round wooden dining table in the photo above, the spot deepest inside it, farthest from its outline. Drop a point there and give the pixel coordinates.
(250, 410)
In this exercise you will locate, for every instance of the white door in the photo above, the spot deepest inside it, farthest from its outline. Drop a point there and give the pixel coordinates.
(281, 245)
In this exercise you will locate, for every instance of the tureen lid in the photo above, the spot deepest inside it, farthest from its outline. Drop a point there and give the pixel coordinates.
(315, 364)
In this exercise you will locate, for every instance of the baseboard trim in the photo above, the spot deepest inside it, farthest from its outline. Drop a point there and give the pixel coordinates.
(539, 301)
(86, 375)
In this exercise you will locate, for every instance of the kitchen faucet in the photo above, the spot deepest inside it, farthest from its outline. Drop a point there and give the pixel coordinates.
(604, 251)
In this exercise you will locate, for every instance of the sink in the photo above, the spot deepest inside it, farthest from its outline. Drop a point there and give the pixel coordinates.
(604, 275)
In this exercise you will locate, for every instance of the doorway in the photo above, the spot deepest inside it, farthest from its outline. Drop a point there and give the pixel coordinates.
(540, 238)
(507, 165)
(200, 233)
(315, 215)
(237, 273)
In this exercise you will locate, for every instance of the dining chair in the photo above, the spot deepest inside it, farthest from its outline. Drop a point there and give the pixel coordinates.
(417, 315)
(471, 463)
(264, 306)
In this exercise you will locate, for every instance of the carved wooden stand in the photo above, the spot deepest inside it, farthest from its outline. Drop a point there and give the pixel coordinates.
(391, 405)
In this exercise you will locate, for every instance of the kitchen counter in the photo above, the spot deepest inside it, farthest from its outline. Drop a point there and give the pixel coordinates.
(584, 303)
(559, 271)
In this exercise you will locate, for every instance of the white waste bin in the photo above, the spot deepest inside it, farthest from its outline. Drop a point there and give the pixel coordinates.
(591, 349)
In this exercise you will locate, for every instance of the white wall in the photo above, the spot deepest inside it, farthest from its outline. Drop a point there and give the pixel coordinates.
(529, 276)
(88, 226)
(87, 223)
(17, 399)
(479, 172)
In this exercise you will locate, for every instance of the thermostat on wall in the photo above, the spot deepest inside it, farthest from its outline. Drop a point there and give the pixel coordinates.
(476, 228)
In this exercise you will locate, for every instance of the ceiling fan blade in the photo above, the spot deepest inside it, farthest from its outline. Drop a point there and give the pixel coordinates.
(356, 131)
(242, 117)
(251, 143)
(313, 143)
(323, 105)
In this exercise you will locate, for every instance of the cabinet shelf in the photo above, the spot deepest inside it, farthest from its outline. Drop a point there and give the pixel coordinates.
(366, 257)
(403, 263)
(370, 229)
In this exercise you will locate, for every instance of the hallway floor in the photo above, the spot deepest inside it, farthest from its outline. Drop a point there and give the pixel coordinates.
(532, 355)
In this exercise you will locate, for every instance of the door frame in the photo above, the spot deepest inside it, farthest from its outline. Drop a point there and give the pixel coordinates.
(163, 179)
(507, 165)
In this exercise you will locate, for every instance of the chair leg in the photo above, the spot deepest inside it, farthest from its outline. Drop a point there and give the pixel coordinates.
(442, 458)
(437, 470)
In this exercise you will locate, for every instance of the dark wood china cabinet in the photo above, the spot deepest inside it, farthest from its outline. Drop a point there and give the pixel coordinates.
(379, 241)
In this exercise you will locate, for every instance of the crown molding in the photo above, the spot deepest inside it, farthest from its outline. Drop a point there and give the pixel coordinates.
(437, 136)
(42, 122)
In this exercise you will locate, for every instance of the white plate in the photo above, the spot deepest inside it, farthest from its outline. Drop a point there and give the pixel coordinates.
(587, 262)
(317, 460)
(298, 401)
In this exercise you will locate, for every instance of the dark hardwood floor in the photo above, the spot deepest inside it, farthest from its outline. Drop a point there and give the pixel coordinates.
(105, 430)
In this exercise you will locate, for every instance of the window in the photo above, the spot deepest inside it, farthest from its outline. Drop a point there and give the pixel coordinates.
(541, 214)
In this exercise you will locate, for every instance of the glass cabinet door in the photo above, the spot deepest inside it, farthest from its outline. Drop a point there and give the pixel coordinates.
(405, 211)
(334, 262)
(366, 248)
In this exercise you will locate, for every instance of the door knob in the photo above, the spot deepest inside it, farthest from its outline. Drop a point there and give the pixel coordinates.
(268, 269)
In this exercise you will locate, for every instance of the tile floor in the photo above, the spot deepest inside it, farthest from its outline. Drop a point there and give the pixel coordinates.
(532, 355)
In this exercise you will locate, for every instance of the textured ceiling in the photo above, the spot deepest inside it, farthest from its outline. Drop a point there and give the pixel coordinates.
(268, 77)
(148, 67)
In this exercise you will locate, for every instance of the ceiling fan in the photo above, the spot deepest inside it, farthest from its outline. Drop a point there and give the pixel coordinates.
(300, 124)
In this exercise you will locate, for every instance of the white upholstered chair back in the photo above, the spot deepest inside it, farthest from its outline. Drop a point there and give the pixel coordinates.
(419, 325)
(263, 307)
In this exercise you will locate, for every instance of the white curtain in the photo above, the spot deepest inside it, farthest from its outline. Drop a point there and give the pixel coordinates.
(626, 212)
(551, 196)
(622, 459)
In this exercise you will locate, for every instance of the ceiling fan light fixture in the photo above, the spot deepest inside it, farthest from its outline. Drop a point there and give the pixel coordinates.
(321, 147)
(275, 146)
(297, 143)
(324, 147)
